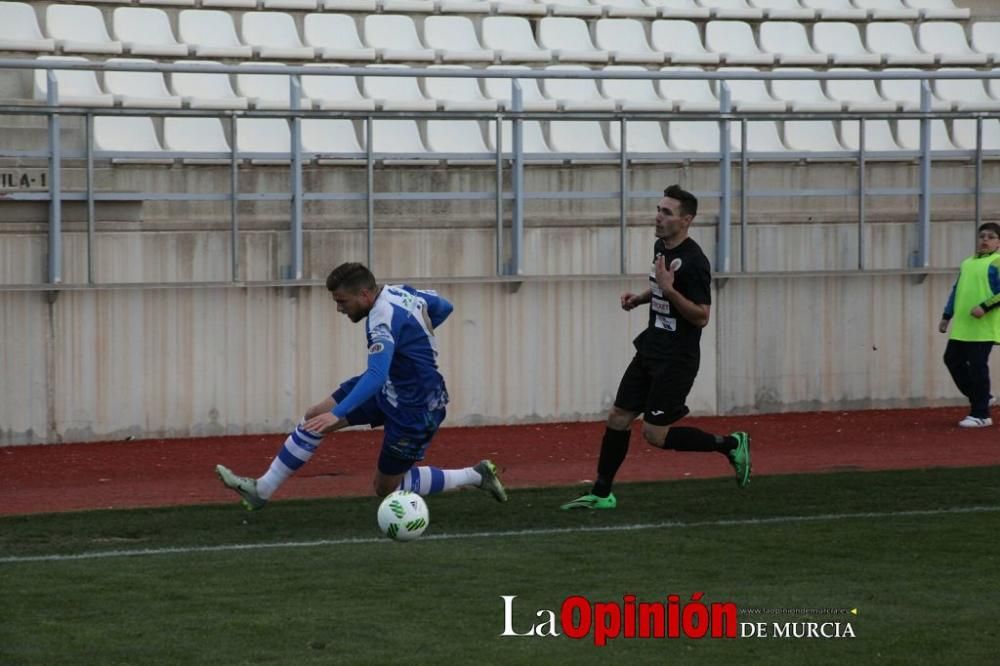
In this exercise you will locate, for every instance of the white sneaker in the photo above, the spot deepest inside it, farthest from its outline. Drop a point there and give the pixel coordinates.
(973, 422)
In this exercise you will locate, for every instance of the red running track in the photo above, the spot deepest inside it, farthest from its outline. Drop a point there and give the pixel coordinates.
(162, 472)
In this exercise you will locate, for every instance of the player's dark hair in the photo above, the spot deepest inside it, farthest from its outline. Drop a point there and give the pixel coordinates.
(689, 202)
(351, 276)
(990, 226)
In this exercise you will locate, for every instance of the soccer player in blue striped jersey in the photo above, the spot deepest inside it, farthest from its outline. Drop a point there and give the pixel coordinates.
(402, 390)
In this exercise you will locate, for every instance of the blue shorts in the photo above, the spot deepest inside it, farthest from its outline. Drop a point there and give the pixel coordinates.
(408, 430)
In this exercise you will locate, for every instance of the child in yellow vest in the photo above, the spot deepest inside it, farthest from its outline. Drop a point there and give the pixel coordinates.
(975, 325)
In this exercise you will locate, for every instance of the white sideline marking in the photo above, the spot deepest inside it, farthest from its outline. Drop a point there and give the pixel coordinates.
(776, 520)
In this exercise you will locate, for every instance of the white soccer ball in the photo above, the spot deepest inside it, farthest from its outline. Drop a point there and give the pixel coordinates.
(403, 515)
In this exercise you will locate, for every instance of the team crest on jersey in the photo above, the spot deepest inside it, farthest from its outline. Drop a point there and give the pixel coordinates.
(376, 347)
(676, 264)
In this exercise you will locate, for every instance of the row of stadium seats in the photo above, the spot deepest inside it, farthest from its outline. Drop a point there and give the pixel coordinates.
(753, 10)
(144, 31)
(325, 137)
(409, 93)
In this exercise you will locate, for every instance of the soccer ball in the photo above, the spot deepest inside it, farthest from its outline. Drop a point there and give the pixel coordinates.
(403, 515)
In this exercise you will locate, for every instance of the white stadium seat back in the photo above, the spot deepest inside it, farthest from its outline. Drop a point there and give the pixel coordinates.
(19, 29)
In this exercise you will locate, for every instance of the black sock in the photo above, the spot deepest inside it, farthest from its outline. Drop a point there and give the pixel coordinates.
(680, 438)
(614, 448)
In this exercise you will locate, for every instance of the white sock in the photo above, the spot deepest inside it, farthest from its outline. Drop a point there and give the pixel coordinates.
(294, 453)
(432, 480)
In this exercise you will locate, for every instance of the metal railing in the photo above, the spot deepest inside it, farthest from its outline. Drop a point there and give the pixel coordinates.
(516, 157)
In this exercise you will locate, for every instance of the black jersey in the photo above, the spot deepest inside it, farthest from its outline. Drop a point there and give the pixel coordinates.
(669, 335)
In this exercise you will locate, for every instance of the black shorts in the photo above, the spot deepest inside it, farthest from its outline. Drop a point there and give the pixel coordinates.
(657, 388)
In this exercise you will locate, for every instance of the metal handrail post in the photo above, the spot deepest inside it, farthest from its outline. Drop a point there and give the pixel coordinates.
(725, 183)
(499, 202)
(295, 90)
(234, 222)
(369, 193)
(861, 194)
(517, 180)
(55, 181)
(623, 199)
(89, 138)
(744, 196)
(924, 231)
(979, 173)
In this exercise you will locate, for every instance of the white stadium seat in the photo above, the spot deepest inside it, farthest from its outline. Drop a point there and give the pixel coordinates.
(735, 43)
(455, 37)
(457, 94)
(455, 136)
(211, 33)
(146, 31)
(842, 41)
(633, 94)
(302, 5)
(680, 42)
(576, 94)
(986, 39)
(274, 35)
(888, 10)
(517, 7)
(895, 42)
(531, 96)
(409, 6)
(268, 91)
(965, 94)
(625, 40)
(908, 135)
(993, 85)
(579, 8)
(687, 136)
(964, 133)
(350, 5)
(577, 136)
(630, 9)
(79, 29)
(466, 6)
(511, 37)
(569, 40)
(939, 10)
(688, 94)
(532, 136)
(859, 95)
(785, 10)
(335, 37)
(264, 135)
(206, 91)
(75, 87)
(812, 136)
(737, 10)
(195, 135)
(878, 136)
(946, 40)
(396, 93)
(335, 92)
(19, 29)
(906, 92)
(748, 94)
(126, 134)
(803, 94)
(788, 41)
(330, 136)
(230, 4)
(762, 137)
(641, 136)
(395, 35)
(396, 136)
(680, 9)
(139, 89)
(836, 10)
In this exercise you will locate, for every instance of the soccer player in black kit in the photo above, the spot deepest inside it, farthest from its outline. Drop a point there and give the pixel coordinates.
(660, 376)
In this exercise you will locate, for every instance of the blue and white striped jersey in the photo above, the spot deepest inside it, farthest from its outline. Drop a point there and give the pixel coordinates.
(402, 352)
